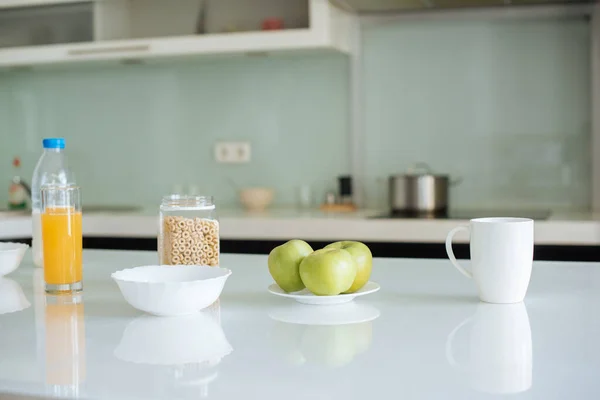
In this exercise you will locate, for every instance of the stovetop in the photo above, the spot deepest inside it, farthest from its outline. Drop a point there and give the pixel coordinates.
(469, 214)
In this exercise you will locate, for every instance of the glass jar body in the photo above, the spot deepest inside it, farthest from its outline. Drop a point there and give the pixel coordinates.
(189, 231)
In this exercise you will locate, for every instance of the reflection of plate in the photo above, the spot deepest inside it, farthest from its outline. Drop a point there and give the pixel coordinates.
(306, 297)
(196, 338)
(12, 297)
(341, 314)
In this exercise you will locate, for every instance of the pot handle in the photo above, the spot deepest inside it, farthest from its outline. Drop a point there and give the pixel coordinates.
(420, 167)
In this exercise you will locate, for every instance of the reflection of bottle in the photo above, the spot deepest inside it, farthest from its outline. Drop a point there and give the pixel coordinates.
(39, 308)
(65, 345)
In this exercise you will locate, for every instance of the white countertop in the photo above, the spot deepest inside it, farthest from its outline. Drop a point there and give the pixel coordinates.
(424, 335)
(571, 228)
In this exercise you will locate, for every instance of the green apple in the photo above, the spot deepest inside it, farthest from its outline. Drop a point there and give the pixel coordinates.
(328, 272)
(284, 262)
(362, 257)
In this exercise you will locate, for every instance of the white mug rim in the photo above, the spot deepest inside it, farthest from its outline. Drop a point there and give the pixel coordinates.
(502, 220)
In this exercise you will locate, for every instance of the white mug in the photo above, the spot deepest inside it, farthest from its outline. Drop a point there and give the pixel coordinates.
(501, 257)
(500, 355)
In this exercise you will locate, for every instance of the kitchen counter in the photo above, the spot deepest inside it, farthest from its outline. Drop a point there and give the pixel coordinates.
(424, 335)
(280, 224)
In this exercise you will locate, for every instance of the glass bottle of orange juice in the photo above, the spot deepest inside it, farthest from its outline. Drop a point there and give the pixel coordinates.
(62, 238)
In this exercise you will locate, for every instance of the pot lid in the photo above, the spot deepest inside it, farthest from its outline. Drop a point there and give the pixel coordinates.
(422, 169)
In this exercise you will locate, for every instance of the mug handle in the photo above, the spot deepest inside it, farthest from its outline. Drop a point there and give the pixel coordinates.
(451, 234)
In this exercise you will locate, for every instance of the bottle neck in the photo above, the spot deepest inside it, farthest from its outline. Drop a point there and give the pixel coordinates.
(53, 150)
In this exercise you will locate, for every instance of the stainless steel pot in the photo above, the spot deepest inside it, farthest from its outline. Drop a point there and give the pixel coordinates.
(419, 190)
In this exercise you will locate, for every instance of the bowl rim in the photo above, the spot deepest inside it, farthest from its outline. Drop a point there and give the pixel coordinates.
(118, 279)
(20, 246)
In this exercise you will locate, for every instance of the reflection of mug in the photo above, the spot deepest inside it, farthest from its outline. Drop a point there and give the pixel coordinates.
(500, 356)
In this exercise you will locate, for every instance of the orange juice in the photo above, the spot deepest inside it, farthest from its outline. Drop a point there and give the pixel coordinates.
(62, 239)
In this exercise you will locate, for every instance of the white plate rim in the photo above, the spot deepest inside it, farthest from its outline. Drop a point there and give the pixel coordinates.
(276, 290)
(117, 275)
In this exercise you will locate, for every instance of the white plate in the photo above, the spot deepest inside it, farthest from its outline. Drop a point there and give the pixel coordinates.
(341, 314)
(306, 297)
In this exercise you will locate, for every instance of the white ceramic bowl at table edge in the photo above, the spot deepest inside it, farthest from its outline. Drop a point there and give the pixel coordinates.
(171, 290)
(256, 199)
(11, 255)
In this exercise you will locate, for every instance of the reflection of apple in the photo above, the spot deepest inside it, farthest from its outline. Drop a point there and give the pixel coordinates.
(328, 272)
(327, 345)
(284, 262)
(363, 336)
(332, 346)
(286, 339)
(362, 257)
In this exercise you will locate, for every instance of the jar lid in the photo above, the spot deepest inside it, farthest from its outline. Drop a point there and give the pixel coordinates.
(179, 202)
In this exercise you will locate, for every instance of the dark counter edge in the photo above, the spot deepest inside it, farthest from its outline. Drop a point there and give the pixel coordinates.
(379, 249)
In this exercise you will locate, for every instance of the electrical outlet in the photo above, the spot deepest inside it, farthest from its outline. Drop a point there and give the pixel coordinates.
(232, 152)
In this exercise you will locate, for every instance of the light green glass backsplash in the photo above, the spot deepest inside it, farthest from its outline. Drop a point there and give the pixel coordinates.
(504, 105)
(133, 132)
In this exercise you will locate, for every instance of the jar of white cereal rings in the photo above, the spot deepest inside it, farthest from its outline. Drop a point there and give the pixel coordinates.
(189, 231)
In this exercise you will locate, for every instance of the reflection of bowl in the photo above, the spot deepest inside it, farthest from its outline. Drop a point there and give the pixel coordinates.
(256, 199)
(195, 338)
(12, 297)
(11, 255)
(173, 290)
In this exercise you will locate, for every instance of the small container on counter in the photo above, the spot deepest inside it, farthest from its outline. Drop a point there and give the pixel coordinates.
(189, 231)
(345, 189)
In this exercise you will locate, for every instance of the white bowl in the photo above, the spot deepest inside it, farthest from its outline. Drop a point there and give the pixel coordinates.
(171, 290)
(11, 255)
(256, 199)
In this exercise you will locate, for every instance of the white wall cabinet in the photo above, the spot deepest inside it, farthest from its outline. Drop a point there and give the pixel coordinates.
(38, 32)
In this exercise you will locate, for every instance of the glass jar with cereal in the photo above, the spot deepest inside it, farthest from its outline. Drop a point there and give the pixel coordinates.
(189, 231)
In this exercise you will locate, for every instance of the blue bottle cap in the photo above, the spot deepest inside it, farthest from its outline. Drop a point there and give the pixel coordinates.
(53, 143)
